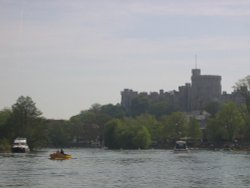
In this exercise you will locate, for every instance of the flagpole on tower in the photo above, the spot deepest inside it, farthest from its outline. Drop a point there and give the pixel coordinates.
(195, 61)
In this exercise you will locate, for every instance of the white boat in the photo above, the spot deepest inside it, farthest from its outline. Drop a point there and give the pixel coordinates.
(20, 145)
(181, 146)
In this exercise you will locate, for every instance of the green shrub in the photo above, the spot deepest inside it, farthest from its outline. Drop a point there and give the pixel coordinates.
(5, 146)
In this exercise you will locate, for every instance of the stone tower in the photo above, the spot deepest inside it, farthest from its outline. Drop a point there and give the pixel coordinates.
(127, 96)
(204, 89)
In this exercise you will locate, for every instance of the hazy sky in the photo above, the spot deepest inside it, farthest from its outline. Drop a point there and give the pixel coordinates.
(68, 54)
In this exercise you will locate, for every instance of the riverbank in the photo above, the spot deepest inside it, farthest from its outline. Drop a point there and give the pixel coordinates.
(238, 146)
(4, 146)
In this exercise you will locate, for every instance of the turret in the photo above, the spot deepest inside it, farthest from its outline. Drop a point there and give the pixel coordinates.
(196, 72)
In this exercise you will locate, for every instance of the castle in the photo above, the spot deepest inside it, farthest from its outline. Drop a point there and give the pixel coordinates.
(190, 97)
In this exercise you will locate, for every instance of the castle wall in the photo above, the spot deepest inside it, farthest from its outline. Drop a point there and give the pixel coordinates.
(202, 90)
(184, 95)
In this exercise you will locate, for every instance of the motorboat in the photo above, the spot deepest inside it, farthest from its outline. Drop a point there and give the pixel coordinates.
(60, 156)
(181, 146)
(20, 145)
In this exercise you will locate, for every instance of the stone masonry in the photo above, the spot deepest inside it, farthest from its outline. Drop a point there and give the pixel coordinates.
(190, 97)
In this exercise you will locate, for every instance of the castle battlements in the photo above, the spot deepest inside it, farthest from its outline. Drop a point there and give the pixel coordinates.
(193, 96)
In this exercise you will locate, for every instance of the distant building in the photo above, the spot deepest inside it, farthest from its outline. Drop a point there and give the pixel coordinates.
(190, 97)
(204, 89)
(127, 96)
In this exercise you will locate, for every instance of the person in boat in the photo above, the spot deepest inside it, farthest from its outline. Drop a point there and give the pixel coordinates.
(62, 152)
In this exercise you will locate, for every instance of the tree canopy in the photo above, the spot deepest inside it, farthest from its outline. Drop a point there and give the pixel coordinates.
(148, 124)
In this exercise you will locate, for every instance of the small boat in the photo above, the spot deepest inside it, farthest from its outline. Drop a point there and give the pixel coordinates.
(60, 156)
(20, 145)
(181, 146)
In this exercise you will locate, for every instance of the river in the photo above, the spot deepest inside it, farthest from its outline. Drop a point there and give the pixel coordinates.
(98, 168)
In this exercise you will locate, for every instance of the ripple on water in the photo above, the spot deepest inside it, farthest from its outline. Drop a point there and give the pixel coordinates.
(137, 168)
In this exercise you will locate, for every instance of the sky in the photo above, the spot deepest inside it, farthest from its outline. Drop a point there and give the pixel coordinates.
(70, 54)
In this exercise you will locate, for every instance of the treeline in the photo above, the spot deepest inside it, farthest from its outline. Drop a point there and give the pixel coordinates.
(106, 125)
(111, 126)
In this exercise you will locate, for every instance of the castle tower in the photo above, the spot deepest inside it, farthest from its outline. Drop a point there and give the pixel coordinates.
(196, 72)
(204, 89)
(127, 96)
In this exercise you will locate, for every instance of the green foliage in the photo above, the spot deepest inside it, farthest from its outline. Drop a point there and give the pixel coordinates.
(133, 137)
(245, 132)
(140, 105)
(26, 122)
(214, 132)
(150, 122)
(25, 108)
(89, 125)
(193, 129)
(141, 137)
(174, 126)
(23, 120)
(226, 125)
(126, 135)
(243, 86)
(4, 145)
(5, 115)
(213, 108)
(77, 129)
(160, 108)
(114, 111)
(58, 133)
(110, 133)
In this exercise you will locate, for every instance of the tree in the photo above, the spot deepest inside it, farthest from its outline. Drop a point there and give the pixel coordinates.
(114, 111)
(160, 108)
(27, 122)
(110, 137)
(142, 137)
(89, 125)
(24, 114)
(5, 132)
(139, 105)
(213, 107)
(243, 86)
(214, 132)
(77, 127)
(5, 115)
(126, 134)
(58, 133)
(150, 122)
(174, 126)
(132, 136)
(95, 108)
(226, 125)
(26, 108)
(193, 129)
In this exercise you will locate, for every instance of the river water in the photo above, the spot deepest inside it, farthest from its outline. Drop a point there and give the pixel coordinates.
(98, 168)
